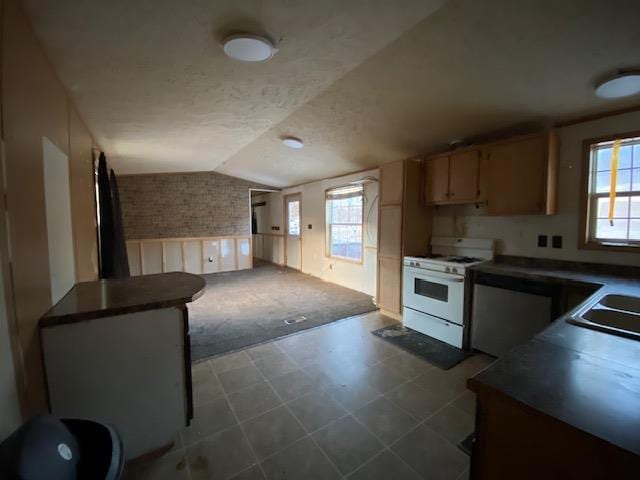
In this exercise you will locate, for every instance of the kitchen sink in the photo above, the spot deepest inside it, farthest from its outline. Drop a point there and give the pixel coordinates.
(622, 302)
(615, 314)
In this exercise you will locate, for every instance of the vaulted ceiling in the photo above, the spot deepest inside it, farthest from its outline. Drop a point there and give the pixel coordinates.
(362, 82)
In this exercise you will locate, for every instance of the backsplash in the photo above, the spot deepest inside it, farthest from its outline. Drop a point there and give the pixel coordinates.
(185, 205)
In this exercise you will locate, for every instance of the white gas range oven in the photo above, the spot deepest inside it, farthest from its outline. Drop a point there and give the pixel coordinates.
(433, 292)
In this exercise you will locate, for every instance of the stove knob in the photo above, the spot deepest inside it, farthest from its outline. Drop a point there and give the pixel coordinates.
(417, 265)
(454, 270)
(447, 269)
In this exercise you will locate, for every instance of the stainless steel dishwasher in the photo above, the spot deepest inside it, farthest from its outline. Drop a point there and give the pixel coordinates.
(508, 311)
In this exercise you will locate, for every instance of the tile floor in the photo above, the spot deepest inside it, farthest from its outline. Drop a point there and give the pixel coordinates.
(329, 403)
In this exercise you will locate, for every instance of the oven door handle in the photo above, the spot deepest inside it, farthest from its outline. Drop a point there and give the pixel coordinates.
(432, 275)
(451, 280)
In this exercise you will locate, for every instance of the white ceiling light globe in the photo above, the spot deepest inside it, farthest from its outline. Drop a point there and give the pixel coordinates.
(248, 48)
(619, 86)
(293, 142)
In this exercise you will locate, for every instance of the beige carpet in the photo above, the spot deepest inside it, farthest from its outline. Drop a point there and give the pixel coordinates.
(248, 307)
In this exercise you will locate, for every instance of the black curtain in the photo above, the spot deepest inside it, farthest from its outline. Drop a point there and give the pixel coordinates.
(113, 252)
(120, 259)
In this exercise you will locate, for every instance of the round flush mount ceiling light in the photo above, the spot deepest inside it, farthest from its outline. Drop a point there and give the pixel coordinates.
(248, 48)
(622, 84)
(293, 142)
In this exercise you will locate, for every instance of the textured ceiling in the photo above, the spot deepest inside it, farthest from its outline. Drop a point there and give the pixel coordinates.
(153, 84)
(361, 82)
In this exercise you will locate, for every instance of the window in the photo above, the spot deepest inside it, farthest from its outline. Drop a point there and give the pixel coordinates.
(293, 216)
(612, 210)
(344, 222)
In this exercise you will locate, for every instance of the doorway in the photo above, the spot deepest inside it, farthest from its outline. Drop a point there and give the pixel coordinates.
(293, 230)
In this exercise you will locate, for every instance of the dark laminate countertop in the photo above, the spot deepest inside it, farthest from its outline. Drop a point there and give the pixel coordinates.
(585, 378)
(104, 298)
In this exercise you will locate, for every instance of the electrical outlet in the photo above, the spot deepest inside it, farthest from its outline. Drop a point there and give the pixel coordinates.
(309, 226)
(542, 241)
(556, 241)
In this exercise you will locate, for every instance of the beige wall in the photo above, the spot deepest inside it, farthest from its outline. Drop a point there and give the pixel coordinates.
(361, 277)
(518, 235)
(35, 105)
(203, 204)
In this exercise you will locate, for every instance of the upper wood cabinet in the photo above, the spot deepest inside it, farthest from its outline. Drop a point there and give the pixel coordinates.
(517, 176)
(436, 174)
(522, 175)
(464, 176)
(391, 183)
(453, 178)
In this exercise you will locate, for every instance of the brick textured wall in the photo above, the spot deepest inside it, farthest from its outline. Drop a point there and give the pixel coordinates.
(184, 205)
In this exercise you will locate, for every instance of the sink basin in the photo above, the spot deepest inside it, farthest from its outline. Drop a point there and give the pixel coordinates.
(614, 318)
(622, 302)
(615, 314)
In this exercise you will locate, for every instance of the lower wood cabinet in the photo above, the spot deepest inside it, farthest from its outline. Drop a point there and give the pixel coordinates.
(514, 441)
(390, 284)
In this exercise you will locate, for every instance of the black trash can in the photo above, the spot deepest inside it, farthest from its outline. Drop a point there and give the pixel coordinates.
(62, 449)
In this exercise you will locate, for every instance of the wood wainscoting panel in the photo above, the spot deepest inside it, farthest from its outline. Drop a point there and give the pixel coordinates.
(192, 256)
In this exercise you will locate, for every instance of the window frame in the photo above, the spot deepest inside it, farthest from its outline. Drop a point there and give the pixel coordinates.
(327, 228)
(585, 239)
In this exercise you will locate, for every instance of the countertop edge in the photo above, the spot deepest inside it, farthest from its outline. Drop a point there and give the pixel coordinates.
(51, 319)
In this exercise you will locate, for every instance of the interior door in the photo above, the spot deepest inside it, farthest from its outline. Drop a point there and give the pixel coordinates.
(293, 243)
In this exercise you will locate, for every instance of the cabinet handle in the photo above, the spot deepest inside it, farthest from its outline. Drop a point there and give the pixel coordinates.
(452, 194)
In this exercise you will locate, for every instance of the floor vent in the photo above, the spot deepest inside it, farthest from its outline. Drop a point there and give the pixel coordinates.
(291, 321)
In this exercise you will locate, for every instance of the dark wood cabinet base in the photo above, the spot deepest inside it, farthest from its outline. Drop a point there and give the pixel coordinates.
(514, 441)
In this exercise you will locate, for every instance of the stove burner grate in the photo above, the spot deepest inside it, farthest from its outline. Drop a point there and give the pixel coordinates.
(463, 259)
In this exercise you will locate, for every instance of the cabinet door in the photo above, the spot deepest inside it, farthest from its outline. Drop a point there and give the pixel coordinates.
(436, 178)
(518, 176)
(390, 242)
(464, 169)
(391, 183)
(390, 284)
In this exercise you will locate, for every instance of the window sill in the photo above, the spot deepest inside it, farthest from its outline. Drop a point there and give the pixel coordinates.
(610, 247)
(345, 260)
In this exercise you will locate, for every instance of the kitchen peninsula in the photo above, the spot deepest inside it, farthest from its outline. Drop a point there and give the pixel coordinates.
(118, 351)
